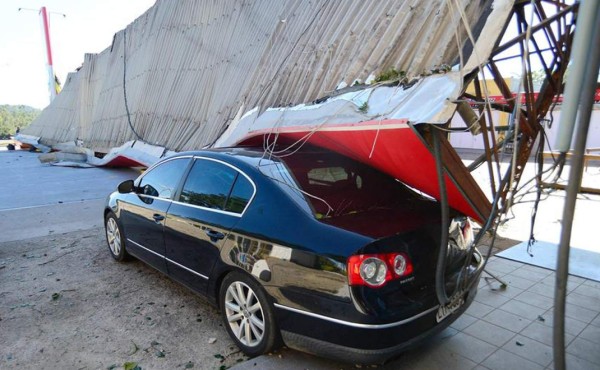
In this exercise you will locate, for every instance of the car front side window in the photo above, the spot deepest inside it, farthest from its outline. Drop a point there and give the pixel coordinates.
(162, 180)
(208, 184)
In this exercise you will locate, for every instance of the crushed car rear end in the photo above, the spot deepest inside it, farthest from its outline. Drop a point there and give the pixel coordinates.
(389, 300)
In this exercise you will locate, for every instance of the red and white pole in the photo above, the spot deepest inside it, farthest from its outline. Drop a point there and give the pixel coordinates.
(49, 66)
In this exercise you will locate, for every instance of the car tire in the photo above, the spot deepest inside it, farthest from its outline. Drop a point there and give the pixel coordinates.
(115, 238)
(248, 315)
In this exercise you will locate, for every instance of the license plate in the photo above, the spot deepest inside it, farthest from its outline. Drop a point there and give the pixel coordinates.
(450, 308)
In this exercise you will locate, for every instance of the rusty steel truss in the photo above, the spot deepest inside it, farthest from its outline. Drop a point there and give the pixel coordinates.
(556, 31)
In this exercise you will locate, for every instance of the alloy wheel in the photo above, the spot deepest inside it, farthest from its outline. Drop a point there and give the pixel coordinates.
(113, 236)
(244, 314)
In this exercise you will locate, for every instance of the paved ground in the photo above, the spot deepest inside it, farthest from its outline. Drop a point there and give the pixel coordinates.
(550, 212)
(40, 200)
(65, 304)
(502, 330)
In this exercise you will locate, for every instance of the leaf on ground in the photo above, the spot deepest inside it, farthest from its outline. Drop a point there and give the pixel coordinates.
(131, 366)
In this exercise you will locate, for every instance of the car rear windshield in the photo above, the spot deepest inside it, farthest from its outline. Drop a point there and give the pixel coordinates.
(332, 185)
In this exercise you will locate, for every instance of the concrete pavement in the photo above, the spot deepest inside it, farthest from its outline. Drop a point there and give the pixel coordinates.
(39, 199)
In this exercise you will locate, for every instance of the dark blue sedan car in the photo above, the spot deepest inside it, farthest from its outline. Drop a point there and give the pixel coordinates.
(305, 247)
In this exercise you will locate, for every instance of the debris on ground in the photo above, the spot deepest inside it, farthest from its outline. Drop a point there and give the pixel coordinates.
(131, 366)
(134, 349)
(97, 320)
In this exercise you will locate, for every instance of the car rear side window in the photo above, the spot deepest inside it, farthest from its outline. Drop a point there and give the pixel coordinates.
(335, 185)
(240, 195)
(162, 180)
(208, 184)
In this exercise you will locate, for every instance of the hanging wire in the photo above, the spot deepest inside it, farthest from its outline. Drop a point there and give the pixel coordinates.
(517, 110)
(468, 280)
(125, 84)
(481, 70)
(440, 270)
(271, 138)
(540, 172)
(515, 135)
(270, 146)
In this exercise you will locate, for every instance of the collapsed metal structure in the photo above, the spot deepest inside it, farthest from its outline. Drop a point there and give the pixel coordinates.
(310, 61)
(130, 92)
(529, 109)
(182, 72)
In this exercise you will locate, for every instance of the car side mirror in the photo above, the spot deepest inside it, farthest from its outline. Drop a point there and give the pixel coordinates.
(126, 187)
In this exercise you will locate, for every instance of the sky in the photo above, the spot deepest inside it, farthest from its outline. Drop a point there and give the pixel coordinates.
(88, 27)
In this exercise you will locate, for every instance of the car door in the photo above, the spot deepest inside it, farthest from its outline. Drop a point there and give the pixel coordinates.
(144, 212)
(212, 200)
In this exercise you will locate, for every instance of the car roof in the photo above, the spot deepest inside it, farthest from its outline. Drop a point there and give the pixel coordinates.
(235, 155)
(250, 156)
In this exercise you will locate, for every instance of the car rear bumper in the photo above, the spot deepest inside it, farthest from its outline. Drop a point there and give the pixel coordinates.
(359, 343)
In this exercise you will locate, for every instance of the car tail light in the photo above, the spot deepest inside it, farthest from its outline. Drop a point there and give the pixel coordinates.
(402, 265)
(375, 270)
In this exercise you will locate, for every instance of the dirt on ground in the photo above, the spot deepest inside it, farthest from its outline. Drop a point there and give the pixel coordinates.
(66, 304)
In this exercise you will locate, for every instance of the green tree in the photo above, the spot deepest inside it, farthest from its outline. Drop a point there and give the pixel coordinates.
(13, 116)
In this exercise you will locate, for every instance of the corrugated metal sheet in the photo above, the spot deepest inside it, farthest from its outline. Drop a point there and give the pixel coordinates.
(192, 66)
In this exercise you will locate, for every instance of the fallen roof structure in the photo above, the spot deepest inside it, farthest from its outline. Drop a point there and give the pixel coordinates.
(223, 65)
(190, 74)
(180, 73)
(378, 126)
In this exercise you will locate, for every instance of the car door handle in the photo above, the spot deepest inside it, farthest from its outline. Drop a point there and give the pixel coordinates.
(158, 218)
(214, 235)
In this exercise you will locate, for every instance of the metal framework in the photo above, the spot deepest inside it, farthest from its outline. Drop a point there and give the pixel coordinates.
(529, 112)
(534, 28)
